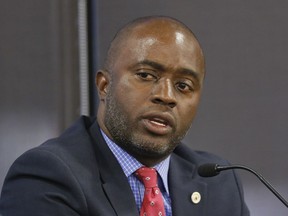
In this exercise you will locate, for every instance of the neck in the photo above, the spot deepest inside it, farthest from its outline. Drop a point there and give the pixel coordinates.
(148, 161)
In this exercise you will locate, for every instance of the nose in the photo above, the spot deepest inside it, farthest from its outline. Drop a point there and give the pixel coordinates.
(163, 93)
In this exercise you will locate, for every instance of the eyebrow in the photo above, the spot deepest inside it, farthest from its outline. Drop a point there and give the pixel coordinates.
(161, 67)
(153, 64)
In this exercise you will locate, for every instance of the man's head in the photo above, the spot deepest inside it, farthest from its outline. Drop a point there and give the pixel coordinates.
(150, 88)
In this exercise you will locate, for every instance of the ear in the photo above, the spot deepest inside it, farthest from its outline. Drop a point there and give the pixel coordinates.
(102, 83)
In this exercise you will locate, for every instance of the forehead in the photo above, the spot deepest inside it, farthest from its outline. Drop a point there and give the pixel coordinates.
(163, 30)
(172, 47)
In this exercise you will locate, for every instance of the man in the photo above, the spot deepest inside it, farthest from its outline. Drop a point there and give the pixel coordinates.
(149, 91)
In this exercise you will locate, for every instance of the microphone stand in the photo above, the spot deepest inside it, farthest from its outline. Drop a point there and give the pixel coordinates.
(219, 168)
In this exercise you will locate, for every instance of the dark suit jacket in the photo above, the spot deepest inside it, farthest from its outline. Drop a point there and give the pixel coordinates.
(77, 174)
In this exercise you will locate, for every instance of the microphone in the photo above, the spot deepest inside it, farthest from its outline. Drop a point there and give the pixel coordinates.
(211, 169)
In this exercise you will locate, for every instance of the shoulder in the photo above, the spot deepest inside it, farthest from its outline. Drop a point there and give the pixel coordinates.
(62, 168)
(73, 145)
(188, 160)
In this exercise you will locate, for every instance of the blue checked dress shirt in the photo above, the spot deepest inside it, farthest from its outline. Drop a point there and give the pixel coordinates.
(129, 165)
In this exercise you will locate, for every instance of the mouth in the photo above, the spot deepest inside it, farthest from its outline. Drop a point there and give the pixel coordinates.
(158, 123)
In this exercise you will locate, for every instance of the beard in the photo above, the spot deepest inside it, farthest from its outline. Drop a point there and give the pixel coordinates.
(126, 134)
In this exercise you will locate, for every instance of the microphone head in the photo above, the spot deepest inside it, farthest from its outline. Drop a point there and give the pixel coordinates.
(208, 170)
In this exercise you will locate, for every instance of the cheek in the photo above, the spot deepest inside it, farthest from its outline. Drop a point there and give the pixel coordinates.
(188, 111)
(129, 89)
(130, 97)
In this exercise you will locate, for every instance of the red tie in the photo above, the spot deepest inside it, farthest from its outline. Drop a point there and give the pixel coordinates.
(152, 204)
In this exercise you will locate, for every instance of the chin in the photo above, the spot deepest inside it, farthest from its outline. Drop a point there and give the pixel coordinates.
(156, 148)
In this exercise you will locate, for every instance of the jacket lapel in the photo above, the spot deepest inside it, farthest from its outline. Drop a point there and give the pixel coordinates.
(114, 181)
(184, 190)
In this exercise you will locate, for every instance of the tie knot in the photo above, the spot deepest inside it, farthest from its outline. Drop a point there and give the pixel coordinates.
(148, 176)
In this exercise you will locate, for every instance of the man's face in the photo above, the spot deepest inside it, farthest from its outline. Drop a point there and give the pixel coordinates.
(153, 94)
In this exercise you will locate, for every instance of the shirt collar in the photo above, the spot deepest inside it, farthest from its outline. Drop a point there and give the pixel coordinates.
(129, 164)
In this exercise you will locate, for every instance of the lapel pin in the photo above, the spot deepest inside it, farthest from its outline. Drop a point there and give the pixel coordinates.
(196, 197)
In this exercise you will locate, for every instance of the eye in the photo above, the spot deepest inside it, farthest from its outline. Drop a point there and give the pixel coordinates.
(185, 87)
(146, 76)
